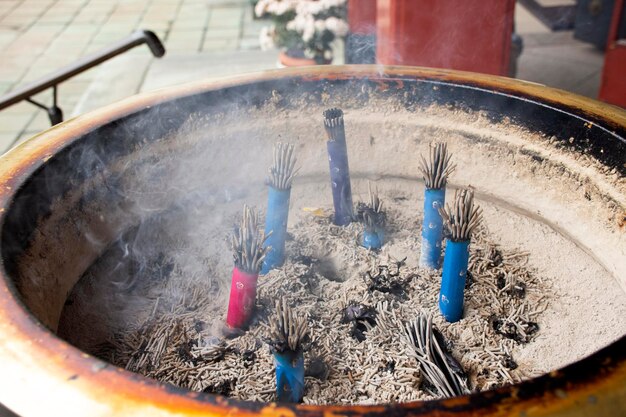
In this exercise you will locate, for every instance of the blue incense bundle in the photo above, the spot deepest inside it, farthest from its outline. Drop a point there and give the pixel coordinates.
(288, 332)
(435, 171)
(289, 376)
(373, 218)
(279, 183)
(460, 221)
(339, 169)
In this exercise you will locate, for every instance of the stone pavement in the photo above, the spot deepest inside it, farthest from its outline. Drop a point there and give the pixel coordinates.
(40, 36)
(203, 39)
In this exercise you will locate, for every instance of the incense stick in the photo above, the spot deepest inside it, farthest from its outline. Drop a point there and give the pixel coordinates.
(249, 251)
(462, 218)
(282, 171)
(288, 331)
(438, 167)
(280, 179)
(247, 242)
(435, 171)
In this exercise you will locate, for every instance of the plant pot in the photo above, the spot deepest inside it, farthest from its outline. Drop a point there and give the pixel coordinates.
(286, 59)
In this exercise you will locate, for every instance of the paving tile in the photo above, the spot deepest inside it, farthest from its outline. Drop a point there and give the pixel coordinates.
(246, 44)
(14, 122)
(118, 78)
(210, 45)
(7, 139)
(174, 48)
(225, 17)
(558, 70)
(38, 123)
(175, 69)
(222, 33)
(526, 22)
(5, 87)
(185, 36)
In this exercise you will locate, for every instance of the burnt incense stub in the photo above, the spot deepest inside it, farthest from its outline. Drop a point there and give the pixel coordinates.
(442, 373)
(371, 214)
(333, 122)
(339, 167)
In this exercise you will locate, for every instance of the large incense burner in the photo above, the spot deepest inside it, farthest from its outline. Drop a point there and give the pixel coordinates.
(469, 259)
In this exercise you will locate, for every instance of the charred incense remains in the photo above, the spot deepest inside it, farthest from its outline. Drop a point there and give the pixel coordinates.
(249, 250)
(339, 168)
(280, 178)
(443, 374)
(288, 332)
(387, 280)
(362, 318)
(373, 218)
(435, 171)
(461, 219)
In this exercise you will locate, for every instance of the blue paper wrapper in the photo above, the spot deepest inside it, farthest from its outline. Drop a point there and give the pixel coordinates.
(432, 228)
(340, 181)
(289, 376)
(372, 239)
(453, 277)
(276, 222)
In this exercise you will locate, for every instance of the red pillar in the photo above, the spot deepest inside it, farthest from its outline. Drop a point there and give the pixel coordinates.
(470, 35)
(362, 17)
(613, 86)
(361, 41)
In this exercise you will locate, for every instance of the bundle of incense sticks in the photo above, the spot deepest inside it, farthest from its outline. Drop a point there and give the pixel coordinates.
(461, 220)
(339, 168)
(249, 251)
(288, 332)
(438, 367)
(435, 171)
(373, 218)
(280, 179)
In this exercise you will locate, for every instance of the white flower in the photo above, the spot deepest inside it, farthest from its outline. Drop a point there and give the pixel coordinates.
(309, 30)
(320, 26)
(327, 4)
(328, 54)
(337, 26)
(266, 38)
(259, 8)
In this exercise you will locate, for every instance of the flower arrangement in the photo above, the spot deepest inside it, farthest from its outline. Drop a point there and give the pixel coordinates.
(304, 28)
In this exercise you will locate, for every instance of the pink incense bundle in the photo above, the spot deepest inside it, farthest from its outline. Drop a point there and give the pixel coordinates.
(248, 251)
(242, 298)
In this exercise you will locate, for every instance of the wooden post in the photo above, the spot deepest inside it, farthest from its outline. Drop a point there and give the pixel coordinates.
(470, 35)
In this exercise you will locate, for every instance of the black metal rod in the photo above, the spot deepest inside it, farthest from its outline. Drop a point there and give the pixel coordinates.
(137, 38)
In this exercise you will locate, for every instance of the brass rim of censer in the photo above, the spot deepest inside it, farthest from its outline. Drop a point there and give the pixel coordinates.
(39, 367)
